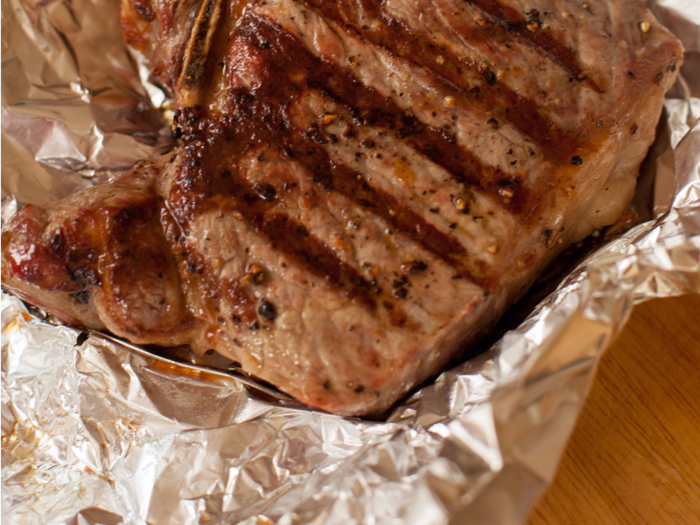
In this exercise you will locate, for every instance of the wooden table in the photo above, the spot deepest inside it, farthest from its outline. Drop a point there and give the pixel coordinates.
(634, 456)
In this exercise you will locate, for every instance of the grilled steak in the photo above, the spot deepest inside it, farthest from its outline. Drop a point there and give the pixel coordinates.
(360, 188)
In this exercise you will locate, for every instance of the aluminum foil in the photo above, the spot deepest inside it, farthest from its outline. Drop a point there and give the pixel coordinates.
(97, 431)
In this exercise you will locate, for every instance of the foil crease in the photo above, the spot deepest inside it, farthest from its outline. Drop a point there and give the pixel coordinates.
(96, 431)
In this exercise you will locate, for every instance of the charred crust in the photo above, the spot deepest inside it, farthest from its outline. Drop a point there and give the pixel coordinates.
(189, 117)
(490, 78)
(56, 243)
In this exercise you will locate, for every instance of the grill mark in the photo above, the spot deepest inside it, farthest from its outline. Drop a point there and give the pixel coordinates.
(265, 109)
(311, 253)
(191, 262)
(369, 108)
(505, 20)
(235, 195)
(335, 176)
(401, 40)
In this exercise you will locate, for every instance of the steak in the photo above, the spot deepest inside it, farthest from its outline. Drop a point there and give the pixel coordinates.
(360, 188)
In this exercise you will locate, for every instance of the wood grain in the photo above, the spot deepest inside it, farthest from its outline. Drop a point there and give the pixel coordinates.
(634, 456)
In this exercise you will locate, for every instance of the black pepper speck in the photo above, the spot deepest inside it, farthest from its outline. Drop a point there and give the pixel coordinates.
(265, 191)
(400, 293)
(414, 267)
(267, 310)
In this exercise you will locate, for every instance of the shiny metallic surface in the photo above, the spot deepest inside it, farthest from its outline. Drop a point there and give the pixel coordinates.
(97, 431)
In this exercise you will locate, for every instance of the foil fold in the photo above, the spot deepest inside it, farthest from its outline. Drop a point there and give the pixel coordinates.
(98, 431)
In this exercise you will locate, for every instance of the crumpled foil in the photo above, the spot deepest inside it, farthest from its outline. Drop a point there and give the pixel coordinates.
(97, 431)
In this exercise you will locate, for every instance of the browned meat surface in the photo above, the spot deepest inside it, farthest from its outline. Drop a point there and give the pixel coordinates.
(360, 187)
